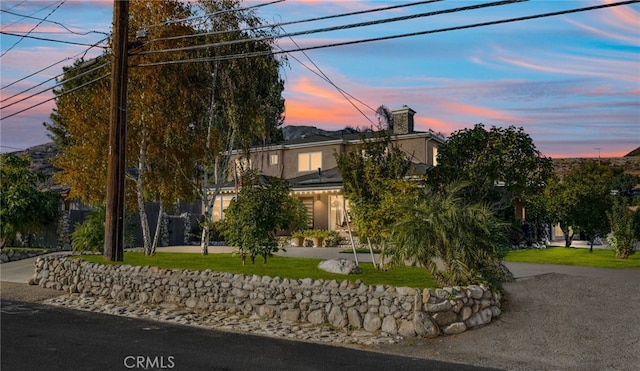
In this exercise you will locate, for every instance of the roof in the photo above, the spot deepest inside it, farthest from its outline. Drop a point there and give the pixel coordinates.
(330, 178)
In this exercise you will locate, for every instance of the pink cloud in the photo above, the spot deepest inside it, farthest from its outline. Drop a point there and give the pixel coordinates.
(624, 16)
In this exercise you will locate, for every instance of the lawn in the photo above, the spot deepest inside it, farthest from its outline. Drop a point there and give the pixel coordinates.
(574, 256)
(277, 266)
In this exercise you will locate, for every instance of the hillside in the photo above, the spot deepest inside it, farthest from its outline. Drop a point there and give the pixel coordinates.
(630, 164)
(41, 154)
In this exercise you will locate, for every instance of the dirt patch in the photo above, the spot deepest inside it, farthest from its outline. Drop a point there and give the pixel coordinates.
(551, 322)
(24, 292)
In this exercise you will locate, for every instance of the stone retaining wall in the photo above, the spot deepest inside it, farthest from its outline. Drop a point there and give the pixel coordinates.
(10, 255)
(402, 310)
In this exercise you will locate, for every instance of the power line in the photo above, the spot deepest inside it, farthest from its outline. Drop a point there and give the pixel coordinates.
(58, 84)
(322, 75)
(18, 4)
(335, 28)
(282, 51)
(27, 36)
(24, 16)
(49, 66)
(64, 93)
(212, 13)
(282, 24)
(34, 27)
(384, 38)
(54, 22)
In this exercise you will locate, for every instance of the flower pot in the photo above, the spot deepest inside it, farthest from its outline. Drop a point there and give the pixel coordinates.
(317, 241)
(298, 241)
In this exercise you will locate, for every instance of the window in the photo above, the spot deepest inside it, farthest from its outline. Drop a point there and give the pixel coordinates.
(273, 159)
(309, 161)
(435, 156)
(219, 206)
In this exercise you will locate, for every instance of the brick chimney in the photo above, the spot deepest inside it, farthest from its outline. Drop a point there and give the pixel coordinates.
(403, 120)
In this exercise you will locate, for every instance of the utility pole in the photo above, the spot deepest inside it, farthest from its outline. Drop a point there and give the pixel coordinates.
(114, 221)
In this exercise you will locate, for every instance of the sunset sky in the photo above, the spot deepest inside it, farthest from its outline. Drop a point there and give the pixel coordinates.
(571, 81)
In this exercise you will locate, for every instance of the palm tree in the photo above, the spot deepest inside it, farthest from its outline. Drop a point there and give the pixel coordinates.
(459, 243)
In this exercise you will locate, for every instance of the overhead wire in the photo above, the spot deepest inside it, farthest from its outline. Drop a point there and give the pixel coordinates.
(300, 49)
(28, 36)
(322, 75)
(391, 37)
(54, 22)
(34, 27)
(61, 94)
(61, 82)
(335, 28)
(172, 21)
(51, 65)
(18, 4)
(24, 16)
(288, 23)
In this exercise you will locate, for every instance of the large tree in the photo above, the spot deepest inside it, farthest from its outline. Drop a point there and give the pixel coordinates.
(184, 117)
(25, 206)
(581, 200)
(245, 96)
(501, 165)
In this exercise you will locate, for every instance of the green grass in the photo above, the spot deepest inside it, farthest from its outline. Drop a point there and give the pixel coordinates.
(574, 256)
(277, 266)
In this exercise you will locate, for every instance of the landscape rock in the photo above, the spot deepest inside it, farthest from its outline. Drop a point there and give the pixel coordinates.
(340, 266)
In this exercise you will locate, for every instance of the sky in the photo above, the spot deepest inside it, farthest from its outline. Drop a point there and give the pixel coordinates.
(571, 81)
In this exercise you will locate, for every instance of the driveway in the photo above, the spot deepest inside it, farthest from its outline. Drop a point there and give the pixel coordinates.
(556, 317)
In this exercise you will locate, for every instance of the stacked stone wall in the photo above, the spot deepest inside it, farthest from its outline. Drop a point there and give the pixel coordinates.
(395, 310)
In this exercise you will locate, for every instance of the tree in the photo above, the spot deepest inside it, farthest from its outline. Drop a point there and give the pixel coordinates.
(501, 165)
(245, 97)
(368, 174)
(625, 228)
(260, 209)
(25, 207)
(466, 238)
(184, 118)
(581, 200)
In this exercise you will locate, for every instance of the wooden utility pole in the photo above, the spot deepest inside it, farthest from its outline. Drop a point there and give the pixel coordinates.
(114, 222)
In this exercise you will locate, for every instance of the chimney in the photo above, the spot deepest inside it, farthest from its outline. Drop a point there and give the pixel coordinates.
(403, 120)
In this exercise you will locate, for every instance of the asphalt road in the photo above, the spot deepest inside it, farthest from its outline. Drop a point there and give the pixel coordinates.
(39, 337)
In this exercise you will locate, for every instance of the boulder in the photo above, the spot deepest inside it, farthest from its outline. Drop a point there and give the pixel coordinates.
(340, 266)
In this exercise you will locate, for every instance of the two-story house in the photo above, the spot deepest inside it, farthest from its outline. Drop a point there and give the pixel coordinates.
(309, 165)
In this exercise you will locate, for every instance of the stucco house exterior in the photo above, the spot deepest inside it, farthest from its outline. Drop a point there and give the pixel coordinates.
(309, 166)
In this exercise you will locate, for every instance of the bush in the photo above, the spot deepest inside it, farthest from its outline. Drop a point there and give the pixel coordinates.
(89, 235)
(623, 229)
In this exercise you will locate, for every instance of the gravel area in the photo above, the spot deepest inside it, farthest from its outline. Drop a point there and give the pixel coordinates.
(551, 322)
(584, 321)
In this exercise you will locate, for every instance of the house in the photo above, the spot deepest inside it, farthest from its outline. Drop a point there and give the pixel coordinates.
(310, 167)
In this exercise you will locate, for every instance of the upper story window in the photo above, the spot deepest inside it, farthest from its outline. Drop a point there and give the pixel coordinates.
(273, 159)
(309, 161)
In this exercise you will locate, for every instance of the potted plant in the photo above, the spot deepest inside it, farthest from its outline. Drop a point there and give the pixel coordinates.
(318, 236)
(297, 238)
(331, 239)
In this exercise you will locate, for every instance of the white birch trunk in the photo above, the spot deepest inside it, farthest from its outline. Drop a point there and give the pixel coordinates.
(156, 236)
(144, 221)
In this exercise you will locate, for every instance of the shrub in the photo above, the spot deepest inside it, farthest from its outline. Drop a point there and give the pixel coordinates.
(89, 235)
(623, 229)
